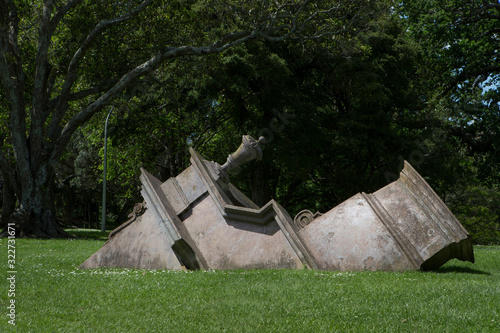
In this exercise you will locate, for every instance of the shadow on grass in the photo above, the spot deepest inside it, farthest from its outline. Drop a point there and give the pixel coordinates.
(88, 234)
(461, 269)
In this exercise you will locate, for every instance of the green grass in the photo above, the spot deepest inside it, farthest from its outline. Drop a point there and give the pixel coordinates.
(53, 295)
(88, 233)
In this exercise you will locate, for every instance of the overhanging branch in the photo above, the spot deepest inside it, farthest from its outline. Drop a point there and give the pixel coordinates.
(13, 79)
(61, 12)
(466, 75)
(285, 22)
(71, 75)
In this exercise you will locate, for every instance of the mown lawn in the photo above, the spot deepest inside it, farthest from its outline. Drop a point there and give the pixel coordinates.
(53, 295)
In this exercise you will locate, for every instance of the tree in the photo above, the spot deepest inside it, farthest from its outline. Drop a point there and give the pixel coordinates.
(460, 41)
(338, 114)
(56, 78)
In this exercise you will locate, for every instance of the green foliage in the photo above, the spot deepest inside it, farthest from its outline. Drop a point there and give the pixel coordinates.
(478, 209)
(53, 295)
(459, 38)
(378, 84)
(461, 71)
(93, 234)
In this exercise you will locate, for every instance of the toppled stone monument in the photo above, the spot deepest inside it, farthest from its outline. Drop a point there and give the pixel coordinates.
(199, 220)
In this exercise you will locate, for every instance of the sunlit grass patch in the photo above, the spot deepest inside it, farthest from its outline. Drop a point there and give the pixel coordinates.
(55, 296)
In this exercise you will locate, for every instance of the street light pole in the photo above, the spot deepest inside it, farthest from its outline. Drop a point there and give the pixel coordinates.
(104, 177)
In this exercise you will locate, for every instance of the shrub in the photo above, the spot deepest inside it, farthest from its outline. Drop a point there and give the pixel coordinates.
(478, 209)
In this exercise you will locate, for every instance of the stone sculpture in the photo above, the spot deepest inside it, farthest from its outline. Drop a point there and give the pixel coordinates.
(199, 220)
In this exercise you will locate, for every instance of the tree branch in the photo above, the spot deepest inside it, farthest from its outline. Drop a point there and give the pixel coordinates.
(71, 75)
(104, 24)
(11, 70)
(150, 65)
(81, 94)
(465, 75)
(39, 96)
(13, 79)
(61, 12)
(223, 43)
(48, 27)
(4, 163)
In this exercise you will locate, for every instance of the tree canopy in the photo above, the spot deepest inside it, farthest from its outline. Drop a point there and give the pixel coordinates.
(344, 91)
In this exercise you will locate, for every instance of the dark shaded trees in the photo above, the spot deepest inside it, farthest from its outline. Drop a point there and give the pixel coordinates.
(460, 40)
(63, 62)
(343, 90)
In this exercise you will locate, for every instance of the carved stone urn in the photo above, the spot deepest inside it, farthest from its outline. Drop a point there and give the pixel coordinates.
(247, 151)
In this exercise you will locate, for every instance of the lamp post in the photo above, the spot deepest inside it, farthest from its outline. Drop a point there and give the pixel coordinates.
(105, 164)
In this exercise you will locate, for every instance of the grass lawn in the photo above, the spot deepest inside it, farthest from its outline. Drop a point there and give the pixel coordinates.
(52, 295)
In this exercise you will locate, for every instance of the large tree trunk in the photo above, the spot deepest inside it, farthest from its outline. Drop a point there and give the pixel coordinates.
(37, 203)
(46, 116)
(8, 199)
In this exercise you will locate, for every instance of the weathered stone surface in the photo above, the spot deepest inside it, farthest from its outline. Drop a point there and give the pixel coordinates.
(183, 190)
(232, 232)
(200, 220)
(203, 222)
(228, 244)
(403, 226)
(426, 222)
(166, 217)
(142, 244)
(351, 237)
